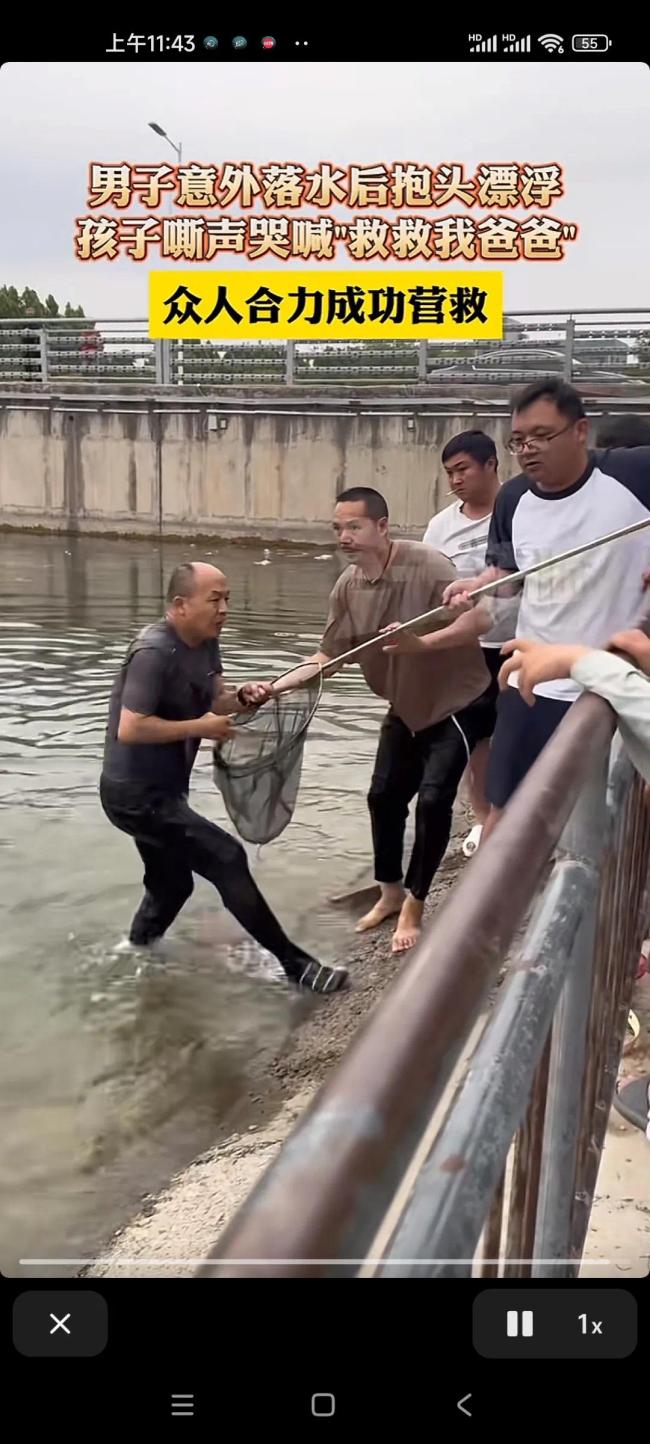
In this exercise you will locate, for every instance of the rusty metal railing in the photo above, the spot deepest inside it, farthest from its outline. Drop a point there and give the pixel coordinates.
(510, 1170)
(602, 346)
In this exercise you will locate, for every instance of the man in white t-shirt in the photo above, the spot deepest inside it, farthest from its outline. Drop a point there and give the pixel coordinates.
(565, 497)
(460, 532)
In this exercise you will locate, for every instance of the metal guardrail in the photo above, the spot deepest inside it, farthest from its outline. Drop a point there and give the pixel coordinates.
(582, 345)
(514, 1161)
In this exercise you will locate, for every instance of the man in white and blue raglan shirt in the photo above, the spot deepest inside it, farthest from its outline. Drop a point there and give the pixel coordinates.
(564, 497)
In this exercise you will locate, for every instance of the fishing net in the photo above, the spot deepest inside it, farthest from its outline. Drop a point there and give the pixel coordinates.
(258, 770)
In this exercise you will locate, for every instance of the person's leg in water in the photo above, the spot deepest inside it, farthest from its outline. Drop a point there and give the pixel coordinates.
(395, 780)
(168, 884)
(188, 843)
(445, 748)
(219, 858)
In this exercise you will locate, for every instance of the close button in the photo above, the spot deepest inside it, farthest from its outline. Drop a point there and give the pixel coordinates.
(60, 1324)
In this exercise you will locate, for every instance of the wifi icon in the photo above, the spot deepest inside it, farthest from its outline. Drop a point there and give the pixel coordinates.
(552, 43)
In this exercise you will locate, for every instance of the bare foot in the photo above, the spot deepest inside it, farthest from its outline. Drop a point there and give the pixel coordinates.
(408, 927)
(390, 903)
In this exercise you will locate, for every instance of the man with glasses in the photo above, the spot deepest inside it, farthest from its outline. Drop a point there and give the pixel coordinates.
(564, 497)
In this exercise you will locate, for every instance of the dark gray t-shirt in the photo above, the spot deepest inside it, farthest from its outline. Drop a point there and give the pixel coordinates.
(160, 677)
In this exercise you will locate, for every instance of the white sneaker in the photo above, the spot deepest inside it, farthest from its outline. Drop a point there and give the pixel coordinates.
(472, 840)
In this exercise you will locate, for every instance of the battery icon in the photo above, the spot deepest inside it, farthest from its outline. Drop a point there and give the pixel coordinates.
(590, 44)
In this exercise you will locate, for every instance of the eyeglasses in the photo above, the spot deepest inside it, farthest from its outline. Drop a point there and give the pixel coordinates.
(518, 444)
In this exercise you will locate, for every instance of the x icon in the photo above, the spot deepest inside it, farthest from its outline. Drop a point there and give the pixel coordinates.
(59, 1324)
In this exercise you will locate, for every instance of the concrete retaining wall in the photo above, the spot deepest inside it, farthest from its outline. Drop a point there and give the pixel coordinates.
(189, 466)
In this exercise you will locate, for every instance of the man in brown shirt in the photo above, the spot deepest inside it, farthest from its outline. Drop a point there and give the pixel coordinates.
(440, 693)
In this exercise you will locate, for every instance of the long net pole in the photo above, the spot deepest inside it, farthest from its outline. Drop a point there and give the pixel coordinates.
(513, 578)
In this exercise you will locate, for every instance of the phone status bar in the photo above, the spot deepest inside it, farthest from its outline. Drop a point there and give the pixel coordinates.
(341, 44)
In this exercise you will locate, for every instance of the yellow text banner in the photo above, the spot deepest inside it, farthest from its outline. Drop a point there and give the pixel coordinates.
(280, 305)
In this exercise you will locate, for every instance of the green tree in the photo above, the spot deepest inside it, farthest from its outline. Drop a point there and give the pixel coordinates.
(31, 303)
(9, 301)
(13, 305)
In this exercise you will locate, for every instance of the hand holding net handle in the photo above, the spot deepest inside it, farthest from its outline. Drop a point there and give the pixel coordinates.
(314, 668)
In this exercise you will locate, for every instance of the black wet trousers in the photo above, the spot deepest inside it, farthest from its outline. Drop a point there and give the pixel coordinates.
(430, 764)
(174, 842)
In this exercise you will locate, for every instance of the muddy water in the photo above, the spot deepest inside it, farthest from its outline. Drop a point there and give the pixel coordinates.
(116, 1068)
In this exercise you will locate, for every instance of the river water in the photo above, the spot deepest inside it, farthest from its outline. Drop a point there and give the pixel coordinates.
(117, 1067)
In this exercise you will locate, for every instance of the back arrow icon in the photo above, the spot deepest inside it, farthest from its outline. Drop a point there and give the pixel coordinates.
(461, 1405)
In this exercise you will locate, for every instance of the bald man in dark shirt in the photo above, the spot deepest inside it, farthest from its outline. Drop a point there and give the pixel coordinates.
(168, 696)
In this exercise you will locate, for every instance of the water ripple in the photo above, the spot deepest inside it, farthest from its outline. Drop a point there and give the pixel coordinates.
(115, 1069)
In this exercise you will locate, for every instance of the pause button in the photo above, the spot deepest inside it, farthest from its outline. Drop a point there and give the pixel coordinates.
(519, 1322)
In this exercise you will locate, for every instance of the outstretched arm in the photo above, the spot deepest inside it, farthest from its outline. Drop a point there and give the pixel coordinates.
(304, 673)
(537, 662)
(227, 701)
(614, 677)
(540, 662)
(460, 591)
(465, 629)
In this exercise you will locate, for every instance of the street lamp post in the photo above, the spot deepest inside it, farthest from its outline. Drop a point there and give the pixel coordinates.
(153, 125)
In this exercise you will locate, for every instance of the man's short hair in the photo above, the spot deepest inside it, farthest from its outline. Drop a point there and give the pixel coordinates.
(624, 431)
(182, 582)
(373, 501)
(564, 397)
(472, 443)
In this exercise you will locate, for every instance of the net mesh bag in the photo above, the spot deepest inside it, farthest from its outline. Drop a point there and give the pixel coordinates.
(258, 769)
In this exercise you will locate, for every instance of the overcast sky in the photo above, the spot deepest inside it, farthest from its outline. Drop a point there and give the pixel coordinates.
(594, 119)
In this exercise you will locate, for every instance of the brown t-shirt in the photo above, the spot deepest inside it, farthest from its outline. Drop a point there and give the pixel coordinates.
(422, 688)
